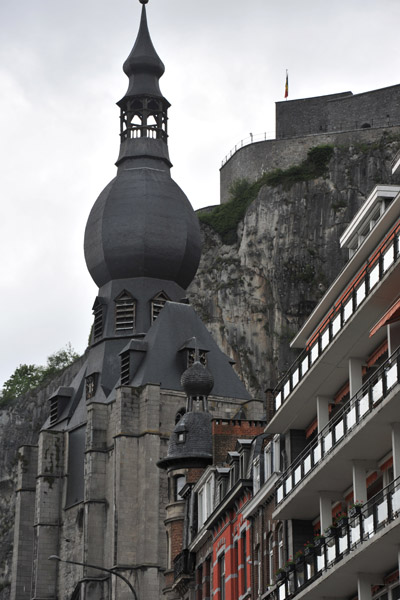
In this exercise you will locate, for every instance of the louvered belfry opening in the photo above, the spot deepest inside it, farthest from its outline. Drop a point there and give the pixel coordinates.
(98, 313)
(125, 313)
(157, 304)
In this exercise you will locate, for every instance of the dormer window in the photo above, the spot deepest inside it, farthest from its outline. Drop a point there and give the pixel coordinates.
(98, 313)
(157, 304)
(125, 313)
(58, 403)
(181, 437)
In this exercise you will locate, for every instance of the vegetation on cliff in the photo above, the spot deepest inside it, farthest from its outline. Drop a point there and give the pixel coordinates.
(29, 377)
(225, 218)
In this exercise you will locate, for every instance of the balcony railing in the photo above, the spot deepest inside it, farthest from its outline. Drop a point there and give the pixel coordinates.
(183, 564)
(363, 285)
(345, 421)
(352, 532)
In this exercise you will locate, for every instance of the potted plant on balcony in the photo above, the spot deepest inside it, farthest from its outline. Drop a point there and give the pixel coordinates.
(331, 531)
(299, 558)
(308, 548)
(280, 575)
(356, 508)
(318, 540)
(341, 519)
(289, 565)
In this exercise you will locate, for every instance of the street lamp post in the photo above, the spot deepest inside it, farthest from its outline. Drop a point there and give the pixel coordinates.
(80, 564)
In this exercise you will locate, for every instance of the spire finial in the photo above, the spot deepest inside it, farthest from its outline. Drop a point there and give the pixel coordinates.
(143, 1)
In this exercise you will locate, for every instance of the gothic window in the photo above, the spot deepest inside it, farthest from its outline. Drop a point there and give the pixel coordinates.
(179, 415)
(98, 313)
(124, 313)
(157, 304)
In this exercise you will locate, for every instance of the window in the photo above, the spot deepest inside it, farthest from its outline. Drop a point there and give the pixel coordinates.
(256, 475)
(157, 304)
(124, 313)
(244, 562)
(179, 415)
(98, 313)
(221, 568)
(179, 482)
(259, 570)
(270, 549)
(181, 437)
(205, 499)
(125, 368)
(280, 546)
(76, 462)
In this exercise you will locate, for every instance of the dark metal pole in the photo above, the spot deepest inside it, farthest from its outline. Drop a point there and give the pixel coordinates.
(80, 564)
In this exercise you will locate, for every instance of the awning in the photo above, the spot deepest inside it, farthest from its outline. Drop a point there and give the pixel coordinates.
(391, 316)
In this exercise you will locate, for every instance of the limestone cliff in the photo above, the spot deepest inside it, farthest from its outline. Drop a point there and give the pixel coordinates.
(255, 293)
(20, 423)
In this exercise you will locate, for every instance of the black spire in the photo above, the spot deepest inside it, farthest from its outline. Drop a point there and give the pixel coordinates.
(143, 108)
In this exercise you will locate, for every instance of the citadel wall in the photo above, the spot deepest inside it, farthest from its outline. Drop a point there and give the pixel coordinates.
(338, 112)
(304, 116)
(252, 161)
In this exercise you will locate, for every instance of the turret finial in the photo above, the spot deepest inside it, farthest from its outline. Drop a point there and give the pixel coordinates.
(143, 1)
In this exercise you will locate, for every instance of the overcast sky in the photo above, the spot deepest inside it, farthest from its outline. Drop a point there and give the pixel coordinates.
(60, 76)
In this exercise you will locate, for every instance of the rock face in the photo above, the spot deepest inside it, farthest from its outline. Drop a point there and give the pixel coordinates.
(20, 423)
(255, 294)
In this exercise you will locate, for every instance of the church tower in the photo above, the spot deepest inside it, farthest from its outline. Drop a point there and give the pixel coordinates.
(90, 493)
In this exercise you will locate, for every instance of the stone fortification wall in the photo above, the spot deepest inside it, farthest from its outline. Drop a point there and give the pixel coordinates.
(338, 112)
(304, 116)
(252, 161)
(379, 108)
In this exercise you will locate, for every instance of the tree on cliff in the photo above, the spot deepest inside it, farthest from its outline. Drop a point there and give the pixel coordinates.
(28, 377)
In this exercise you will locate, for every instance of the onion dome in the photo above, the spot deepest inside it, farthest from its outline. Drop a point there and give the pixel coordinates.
(197, 380)
(142, 224)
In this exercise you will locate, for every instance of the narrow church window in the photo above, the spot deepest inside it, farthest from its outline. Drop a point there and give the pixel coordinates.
(157, 304)
(124, 313)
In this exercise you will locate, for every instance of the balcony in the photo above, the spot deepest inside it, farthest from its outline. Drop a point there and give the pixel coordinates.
(366, 542)
(347, 437)
(342, 313)
(183, 566)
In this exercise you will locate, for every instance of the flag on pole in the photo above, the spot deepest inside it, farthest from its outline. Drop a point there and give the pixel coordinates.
(287, 84)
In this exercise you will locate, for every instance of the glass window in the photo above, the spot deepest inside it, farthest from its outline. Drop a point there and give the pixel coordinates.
(221, 565)
(271, 559)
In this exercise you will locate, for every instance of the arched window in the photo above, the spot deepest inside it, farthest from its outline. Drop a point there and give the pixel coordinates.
(124, 313)
(179, 415)
(157, 304)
